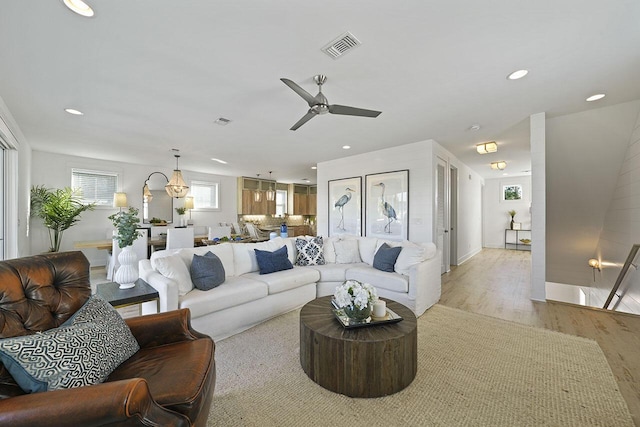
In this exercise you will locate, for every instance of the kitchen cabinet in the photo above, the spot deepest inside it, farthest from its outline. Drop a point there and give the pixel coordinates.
(252, 197)
(304, 200)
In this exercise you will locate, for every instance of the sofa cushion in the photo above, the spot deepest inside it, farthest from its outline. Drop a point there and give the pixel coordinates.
(379, 279)
(309, 251)
(173, 267)
(222, 251)
(413, 254)
(234, 291)
(385, 258)
(328, 251)
(347, 251)
(284, 280)
(245, 257)
(333, 272)
(207, 271)
(367, 247)
(270, 262)
(83, 351)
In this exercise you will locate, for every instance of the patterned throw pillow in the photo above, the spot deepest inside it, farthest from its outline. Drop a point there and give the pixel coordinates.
(310, 251)
(82, 351)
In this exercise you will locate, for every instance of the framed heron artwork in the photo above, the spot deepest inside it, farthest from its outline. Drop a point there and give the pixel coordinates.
(345, 206)
(387, 205)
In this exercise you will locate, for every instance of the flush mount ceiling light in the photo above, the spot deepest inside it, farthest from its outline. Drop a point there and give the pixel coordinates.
(487, 147)
(222, 121)
(79, 7)
(518, 74)
(74, 112)
(219, 160)
(596, 97)
(314, 167)
(498, 165)
(176, 187)
(346, 147)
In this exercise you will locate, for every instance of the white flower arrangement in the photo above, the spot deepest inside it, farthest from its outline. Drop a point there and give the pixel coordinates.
(355, 294)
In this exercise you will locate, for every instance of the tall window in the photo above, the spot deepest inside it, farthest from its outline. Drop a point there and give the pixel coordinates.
(281, 202)
(206, 195)
(96, 186)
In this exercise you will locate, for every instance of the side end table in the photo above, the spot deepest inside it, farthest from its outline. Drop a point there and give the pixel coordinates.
(118, 298)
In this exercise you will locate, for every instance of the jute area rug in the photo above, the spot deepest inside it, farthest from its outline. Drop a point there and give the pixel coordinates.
(473, 370)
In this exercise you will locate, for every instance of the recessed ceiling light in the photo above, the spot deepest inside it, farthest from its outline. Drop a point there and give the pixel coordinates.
(74, 112)
(346, 147)
(505, 174)
(518, 74)
(219, 161)
(596, 97)
(79, 7)
(306, 180)
(474, 127)
(314, 167)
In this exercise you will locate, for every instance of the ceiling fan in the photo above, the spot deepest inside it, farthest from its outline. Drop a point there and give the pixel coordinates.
(320, 105)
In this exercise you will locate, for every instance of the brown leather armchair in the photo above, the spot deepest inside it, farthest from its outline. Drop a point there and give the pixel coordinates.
(168, 382)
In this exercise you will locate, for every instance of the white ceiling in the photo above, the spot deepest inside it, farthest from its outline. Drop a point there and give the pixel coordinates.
(152, 75)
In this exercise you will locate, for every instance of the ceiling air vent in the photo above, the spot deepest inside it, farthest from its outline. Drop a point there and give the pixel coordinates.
(341, 45)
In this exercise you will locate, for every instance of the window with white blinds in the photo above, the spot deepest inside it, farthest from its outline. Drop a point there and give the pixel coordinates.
(95, 186)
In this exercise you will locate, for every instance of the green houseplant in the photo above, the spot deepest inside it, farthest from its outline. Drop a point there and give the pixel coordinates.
(59, 209)
(126, 223)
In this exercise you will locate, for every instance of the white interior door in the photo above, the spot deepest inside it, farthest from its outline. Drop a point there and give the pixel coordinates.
(442, 213)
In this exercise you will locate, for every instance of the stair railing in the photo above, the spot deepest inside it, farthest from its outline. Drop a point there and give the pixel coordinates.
(625, 268)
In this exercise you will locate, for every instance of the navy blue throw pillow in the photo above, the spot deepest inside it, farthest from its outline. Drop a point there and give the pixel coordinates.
(385, 258)
(270, 262)
(207, 271)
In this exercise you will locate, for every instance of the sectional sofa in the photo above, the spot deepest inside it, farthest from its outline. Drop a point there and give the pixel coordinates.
(247, 297)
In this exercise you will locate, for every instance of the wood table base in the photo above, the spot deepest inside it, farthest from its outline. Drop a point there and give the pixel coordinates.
(371, 361)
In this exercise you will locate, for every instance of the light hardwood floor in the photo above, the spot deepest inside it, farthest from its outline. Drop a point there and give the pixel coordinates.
(496, 283)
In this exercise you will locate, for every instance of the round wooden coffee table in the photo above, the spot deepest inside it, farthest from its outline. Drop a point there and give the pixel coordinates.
(371, 361)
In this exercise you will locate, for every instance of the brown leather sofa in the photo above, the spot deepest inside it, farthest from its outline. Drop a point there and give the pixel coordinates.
(168, 382)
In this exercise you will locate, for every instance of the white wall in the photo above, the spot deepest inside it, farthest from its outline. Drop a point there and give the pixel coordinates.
(495, 209)
(584, 155)
(419, 158)
(621, 228)
(54, 171)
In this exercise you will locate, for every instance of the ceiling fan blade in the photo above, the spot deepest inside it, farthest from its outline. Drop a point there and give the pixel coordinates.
(352, 111)
(311, 100)
(310, 115)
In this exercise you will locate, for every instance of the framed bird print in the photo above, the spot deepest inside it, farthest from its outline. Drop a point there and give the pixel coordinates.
(387, 205)
(345, 206)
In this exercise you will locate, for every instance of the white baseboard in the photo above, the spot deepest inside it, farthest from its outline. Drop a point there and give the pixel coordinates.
(468, 256)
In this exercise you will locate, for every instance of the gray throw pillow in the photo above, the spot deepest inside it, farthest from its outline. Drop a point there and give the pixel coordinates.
(207, 271)
(82, 351)
(385, 258)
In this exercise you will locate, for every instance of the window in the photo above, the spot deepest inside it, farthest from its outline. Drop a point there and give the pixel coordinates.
(281, 202)
(206, 195)
(512, 192)
(95, 186)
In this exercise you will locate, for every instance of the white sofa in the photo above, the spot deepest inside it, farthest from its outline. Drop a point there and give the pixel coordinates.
(247, 297)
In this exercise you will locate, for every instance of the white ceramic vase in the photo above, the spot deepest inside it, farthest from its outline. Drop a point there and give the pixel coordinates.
(183, 221)
(127, 273)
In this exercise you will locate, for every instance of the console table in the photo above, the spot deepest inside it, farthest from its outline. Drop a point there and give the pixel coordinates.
(371, 361)
(519, 234)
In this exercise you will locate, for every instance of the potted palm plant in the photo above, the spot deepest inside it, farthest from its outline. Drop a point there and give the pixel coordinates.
(59, 209)
(126, 224)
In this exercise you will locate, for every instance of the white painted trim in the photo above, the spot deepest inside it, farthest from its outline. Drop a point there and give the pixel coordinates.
(468, 256)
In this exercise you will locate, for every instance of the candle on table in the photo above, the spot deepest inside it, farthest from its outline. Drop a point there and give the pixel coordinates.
(379, 308)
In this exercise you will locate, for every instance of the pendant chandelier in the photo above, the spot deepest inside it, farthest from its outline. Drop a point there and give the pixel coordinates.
(176, 187)
(146, 193)
(271, 194)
